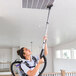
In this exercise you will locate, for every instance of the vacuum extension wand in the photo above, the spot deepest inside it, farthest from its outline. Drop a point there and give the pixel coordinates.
(46, 30)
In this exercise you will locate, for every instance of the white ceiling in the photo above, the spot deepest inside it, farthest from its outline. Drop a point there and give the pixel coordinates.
(20, 26)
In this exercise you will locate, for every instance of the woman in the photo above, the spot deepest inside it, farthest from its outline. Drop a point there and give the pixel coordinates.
(25, 54)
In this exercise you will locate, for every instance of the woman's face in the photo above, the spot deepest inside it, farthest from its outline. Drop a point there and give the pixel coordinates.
(27, 52)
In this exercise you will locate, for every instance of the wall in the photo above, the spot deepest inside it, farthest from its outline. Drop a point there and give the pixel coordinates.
(66, 64)
(14, 54)
(49, 67)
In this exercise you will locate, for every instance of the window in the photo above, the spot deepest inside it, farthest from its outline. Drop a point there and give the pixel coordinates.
(58, 55)
(73, 53)
(66, 54)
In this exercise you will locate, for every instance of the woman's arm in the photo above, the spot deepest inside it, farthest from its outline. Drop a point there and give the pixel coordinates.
(34, 71)
(46, 50)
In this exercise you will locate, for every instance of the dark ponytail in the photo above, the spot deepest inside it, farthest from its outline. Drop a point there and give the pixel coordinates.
(20, 52)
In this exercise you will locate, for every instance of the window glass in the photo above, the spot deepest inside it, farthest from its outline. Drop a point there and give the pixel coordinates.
(66, 54)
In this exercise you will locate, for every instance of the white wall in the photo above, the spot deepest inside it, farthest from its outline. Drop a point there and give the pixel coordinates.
(14, 54)
(66, 64)
(49, 67)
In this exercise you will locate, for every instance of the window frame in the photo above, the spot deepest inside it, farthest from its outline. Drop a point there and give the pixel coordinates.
(62, 55)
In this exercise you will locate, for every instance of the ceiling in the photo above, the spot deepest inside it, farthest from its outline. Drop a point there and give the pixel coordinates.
(19, 26)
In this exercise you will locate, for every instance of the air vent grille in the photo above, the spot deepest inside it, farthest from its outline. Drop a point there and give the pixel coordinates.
(37, 4)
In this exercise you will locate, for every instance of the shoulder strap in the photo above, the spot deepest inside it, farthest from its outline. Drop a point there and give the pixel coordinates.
(27, 64)
(34, 58)
(35, 62)
(22, 71)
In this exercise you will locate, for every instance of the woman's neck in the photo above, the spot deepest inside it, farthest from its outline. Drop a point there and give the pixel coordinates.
(28, 58)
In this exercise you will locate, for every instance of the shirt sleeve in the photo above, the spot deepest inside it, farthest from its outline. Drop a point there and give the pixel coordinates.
(37, 57)
(25, 68)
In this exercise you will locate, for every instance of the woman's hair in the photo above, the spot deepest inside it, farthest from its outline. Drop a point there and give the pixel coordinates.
(20, 52)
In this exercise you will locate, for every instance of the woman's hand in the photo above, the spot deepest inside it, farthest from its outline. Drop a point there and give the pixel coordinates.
(45, 38)
(41, 61)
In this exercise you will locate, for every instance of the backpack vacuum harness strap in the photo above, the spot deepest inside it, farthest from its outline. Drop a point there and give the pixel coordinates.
(27, 64)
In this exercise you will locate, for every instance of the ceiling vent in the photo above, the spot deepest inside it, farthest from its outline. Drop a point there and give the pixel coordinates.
(37, 4)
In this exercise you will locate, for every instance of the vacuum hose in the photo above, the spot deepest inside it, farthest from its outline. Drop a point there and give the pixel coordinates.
(19, 62)
(45, 62)
(15, 62)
